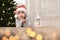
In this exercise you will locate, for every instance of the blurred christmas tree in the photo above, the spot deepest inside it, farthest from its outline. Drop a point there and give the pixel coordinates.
(6, 13)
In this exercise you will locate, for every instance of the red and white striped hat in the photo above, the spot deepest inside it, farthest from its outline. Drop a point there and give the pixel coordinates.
(21, 8)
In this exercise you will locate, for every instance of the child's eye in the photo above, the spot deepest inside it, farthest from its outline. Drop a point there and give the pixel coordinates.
(19, 12)
(23, 12)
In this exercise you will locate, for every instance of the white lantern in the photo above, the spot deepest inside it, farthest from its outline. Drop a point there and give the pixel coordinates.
(37, 21)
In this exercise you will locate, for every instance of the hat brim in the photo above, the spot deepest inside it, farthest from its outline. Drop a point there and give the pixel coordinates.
(21, 9)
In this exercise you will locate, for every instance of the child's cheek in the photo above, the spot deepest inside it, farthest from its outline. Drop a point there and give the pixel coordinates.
(19, 15)
(23, 16)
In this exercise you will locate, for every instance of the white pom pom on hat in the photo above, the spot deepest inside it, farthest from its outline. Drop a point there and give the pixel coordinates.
(15, 15)
(21, 8)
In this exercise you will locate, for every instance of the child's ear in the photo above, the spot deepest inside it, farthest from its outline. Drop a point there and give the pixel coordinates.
(14, 11)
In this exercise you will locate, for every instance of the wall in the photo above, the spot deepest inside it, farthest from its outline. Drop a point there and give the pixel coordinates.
(49, 12)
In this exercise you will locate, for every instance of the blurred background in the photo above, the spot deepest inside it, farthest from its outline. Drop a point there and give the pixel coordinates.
(49, 11)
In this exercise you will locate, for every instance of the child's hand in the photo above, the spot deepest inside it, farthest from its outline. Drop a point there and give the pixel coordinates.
(24, 20)
(22, 16)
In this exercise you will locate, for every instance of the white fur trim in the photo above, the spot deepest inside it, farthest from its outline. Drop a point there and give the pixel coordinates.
(21, 9)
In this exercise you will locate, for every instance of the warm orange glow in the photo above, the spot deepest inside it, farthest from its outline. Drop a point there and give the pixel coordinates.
(4, 38)
(39, 37)
(32, 34)
(54, 34)
(28, 30)
(12, 38)
(7, 32)
(17, 37)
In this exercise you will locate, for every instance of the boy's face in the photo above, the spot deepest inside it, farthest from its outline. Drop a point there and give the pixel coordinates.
(21, 14)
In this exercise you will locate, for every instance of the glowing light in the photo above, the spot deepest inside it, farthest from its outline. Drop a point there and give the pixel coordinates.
(39, 37)
(7, 32)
